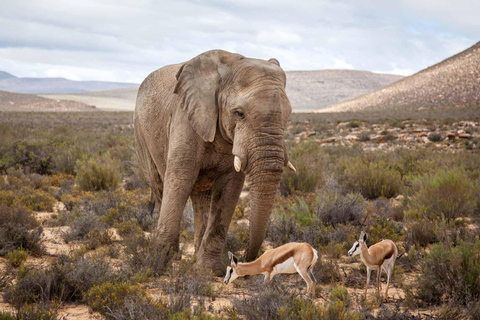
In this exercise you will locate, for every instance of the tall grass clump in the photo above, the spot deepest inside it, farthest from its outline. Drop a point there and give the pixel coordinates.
(447, 193)
(97, 173)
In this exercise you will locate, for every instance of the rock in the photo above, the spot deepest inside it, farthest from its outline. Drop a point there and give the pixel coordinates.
(465, 136)
(328, 140)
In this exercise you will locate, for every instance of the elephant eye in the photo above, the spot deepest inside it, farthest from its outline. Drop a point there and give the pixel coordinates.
(239, 114)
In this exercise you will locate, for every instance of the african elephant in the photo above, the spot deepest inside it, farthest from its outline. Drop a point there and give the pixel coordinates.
(201, 127)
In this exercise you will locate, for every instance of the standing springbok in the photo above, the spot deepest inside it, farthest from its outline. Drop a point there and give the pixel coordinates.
(289, 258)
(380, 256)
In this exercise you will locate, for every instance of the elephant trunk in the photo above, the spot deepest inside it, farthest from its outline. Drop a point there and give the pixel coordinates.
(266, 162)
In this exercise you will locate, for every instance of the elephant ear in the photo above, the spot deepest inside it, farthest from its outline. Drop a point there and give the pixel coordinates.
(198, 82)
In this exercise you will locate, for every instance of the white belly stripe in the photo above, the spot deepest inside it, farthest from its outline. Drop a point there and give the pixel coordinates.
(288, 266)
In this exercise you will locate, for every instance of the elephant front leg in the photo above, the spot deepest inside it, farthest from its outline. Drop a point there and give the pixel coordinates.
(201, 201)
(225, 194)
(177, 188)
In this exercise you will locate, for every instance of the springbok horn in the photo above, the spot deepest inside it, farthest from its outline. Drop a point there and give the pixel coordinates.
(237, 164)
(291, 167)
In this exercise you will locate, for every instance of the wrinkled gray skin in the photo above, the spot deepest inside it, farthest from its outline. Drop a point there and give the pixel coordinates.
(190, 121)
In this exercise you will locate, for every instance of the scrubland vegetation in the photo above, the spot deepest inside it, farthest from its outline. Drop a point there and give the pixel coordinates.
(75, 225)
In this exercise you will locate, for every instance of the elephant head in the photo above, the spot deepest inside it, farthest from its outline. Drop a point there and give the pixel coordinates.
(243, 101)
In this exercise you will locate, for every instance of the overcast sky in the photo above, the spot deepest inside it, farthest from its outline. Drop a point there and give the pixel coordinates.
(123, 40)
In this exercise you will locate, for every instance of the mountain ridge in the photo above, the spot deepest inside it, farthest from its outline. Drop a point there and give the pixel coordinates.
(452, 82)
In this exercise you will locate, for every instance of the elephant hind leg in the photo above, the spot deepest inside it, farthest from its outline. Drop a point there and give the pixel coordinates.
(201, 201)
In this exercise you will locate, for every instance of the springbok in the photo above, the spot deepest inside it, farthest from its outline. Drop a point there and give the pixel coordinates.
(289, 258)
(380, 256)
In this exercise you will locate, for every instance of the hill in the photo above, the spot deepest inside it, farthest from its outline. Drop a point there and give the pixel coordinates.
(452, 83)
(11, 83)
(10, 101)
(120, 99)
(310, 90)
(307, 90)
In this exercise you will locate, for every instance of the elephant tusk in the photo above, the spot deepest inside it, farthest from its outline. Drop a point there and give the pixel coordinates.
(291, 167)
(237, 163)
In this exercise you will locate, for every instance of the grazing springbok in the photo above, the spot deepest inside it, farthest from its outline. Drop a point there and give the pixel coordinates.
(289, 258)
(380, 256)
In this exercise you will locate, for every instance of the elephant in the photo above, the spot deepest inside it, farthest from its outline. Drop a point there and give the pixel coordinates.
(201, 128)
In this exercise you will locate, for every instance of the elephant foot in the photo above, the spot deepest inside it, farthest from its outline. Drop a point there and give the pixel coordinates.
(213, 265)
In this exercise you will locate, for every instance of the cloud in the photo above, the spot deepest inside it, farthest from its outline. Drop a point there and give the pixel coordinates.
(125, 40)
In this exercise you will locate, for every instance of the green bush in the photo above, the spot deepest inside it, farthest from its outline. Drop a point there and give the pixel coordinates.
(309, 164)
(450, 273)
(38, 201)
(448, 193)
(17, 257)
(373, 180)
(111, 296)
(100, 173)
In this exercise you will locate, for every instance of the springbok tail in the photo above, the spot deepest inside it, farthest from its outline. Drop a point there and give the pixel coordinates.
(310, 268)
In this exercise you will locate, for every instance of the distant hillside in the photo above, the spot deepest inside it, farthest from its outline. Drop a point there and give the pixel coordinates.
(454, 82)
(307, 90)
(6, 75)
(10, 101)
(310, 90)
(120, 99)
(11, 83)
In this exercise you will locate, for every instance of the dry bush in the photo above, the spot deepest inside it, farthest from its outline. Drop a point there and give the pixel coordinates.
(450, 273)
(31, 312)
(67, 279)
(19, 229)
(334, 208)
(81, 226)
(147, 254)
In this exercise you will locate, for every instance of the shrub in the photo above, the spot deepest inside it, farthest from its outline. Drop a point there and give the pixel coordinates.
(373, 180)
(17, 257)
(112, 296)
(334, 208)
(148, 253)
(67, 279)
(448, 193)
(340, 294)
(81, 227)
(38, 201)
(101, 173)
(31, 312)
(451, 273)
(309, 165)
(98, 237)
(237, 238)
(421, 233)
(326, 271)
(283, 229)
(436, 137)
(19, 229)
(127, 228)
(277, 303)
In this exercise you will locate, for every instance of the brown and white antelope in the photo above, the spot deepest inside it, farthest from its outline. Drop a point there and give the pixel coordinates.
(289, 258)
(380, 256)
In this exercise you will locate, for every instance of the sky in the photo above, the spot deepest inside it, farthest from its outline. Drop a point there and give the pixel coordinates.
(125, 40)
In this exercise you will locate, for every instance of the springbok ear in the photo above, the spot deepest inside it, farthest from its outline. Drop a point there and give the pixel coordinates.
(198, 82)
(361, 236)
(230, 256)
(275, 61)
(235, 261)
